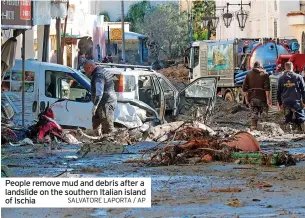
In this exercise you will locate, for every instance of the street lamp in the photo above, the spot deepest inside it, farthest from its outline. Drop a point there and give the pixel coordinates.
(213, 20)
(227, 17)
(241, 16)
(205, 22)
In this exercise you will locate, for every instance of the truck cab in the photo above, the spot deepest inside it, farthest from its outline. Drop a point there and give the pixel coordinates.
(232, 59)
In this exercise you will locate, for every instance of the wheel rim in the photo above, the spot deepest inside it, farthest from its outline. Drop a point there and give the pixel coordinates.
(228, 96)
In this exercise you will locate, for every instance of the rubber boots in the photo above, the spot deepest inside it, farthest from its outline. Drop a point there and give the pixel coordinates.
(98, 131)
(303, 127)
(253, 125)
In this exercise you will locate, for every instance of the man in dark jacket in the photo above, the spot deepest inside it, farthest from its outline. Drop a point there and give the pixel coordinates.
(103, 97)
(291, 95)
(256, 89)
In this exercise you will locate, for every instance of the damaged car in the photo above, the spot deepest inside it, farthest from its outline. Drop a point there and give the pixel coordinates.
(144, 96)
(146, 85)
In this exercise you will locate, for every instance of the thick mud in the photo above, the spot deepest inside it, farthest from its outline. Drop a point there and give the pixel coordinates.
(180, 190)
(177, 191)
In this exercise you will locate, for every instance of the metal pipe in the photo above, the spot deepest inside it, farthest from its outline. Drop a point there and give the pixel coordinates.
(23, 76)
(123, 31)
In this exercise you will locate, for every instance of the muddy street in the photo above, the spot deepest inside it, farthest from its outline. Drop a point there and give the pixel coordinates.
(214, 189)
(194, 187)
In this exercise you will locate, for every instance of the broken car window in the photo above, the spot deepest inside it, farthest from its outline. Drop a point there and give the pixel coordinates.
(203, 88)
(129, 82)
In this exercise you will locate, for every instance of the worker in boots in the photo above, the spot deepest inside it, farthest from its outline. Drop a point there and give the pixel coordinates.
(256, 90)
(291, 96)
(103, 97)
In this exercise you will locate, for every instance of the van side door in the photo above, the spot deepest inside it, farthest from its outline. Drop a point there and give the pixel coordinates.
(57, 82)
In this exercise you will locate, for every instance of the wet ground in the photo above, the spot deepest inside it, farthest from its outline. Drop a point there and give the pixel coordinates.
(177, 191)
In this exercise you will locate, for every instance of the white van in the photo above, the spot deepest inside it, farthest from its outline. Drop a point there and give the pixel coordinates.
(46, 82)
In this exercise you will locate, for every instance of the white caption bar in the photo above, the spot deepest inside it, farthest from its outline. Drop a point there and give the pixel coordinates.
(75, 192)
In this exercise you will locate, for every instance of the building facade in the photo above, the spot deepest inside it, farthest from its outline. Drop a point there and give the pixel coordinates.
(267, 18)
(114, 7)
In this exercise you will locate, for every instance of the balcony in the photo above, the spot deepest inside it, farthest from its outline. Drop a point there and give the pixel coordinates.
(296, 17)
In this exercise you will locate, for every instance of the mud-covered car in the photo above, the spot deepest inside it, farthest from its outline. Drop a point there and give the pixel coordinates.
(146, 85)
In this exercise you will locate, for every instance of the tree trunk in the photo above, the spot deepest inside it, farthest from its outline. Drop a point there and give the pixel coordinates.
(170, 49)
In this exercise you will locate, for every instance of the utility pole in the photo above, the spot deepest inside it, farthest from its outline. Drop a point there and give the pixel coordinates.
(58, 40)
(23, 77)
(123, 31)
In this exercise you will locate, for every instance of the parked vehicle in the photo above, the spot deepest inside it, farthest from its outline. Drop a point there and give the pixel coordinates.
(232, 59)
(144, 84)
(46, 83)
(46, 126)
(298, 61)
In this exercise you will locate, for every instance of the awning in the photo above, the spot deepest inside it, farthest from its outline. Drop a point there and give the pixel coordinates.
(129, 36)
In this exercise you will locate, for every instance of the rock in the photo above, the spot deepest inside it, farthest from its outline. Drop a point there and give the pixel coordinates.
(235, 203)
(194, 160)
(272, 128)
(207, 158)
(237, 161)
(70, 138)
(24, 142)
(104, 147)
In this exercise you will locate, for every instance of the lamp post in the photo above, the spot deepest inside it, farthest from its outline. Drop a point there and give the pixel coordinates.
(211, 21)
(227, 17)
(241, 16)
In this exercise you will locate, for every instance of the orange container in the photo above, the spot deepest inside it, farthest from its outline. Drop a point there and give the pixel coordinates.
(244, 141)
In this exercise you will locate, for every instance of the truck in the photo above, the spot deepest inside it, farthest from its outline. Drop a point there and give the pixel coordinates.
(232, 59)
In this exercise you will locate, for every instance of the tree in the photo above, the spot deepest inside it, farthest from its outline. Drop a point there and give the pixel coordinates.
(137, 12)
(166, 28)
(200, 9)
(106, 16)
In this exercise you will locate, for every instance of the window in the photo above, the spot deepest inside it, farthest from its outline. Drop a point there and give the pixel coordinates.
(62, 85)
(129, 82)
(194, 56)
(165, 86)
(13, 81)
(145, 82)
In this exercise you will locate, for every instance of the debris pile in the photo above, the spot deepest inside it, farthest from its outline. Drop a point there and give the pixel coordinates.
(179, 74)
(230, 114)
(197, 145)
(196, 150)
(172, 130)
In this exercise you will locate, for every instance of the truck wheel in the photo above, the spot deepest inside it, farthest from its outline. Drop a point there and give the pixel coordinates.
(229, 96)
